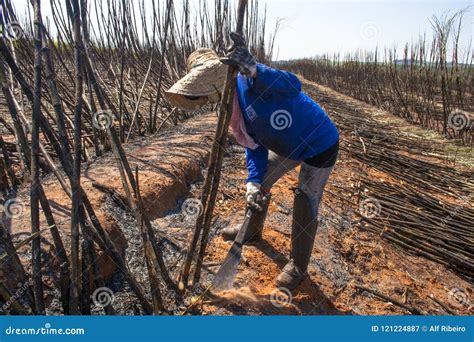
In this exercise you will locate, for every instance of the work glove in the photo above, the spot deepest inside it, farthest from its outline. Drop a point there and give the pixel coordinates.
(254, 196)
(238, 55)
(237, 40)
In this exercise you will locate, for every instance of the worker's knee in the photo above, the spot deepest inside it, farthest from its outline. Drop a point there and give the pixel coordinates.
(312, 180)
(304, 202)
(277, 167)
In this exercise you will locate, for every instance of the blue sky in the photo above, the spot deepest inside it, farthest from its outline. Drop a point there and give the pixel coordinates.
(314, 27)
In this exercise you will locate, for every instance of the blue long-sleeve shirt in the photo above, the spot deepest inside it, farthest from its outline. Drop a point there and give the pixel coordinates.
(281, 118)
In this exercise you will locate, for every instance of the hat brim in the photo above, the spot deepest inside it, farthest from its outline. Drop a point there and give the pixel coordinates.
(194, 90)
(185, 103)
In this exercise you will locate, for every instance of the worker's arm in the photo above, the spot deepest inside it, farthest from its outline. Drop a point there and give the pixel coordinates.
(257, 163)
(276, 81)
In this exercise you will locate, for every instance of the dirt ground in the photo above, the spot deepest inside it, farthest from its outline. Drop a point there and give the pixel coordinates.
(345, 258)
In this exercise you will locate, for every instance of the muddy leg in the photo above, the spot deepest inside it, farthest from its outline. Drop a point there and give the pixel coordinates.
(312, 181)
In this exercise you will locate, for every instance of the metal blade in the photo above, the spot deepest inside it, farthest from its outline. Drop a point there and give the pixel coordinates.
(224, 279)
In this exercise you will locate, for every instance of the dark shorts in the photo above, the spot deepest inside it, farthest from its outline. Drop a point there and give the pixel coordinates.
(324, 159)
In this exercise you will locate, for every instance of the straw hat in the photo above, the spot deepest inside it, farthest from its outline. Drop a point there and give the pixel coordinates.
(202, 83)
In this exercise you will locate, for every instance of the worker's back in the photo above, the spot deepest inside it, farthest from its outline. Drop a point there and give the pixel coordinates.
(280, 117)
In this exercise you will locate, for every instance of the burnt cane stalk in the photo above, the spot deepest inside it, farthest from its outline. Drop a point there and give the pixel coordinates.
(211, 184)
(35, 181)
(76, 177)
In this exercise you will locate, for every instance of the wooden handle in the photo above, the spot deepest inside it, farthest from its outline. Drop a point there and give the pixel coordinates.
(241, 15)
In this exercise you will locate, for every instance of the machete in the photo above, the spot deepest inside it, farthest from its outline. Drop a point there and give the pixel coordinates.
(224, 279)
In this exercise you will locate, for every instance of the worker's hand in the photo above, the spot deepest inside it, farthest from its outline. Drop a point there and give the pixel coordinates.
(239, 56)
(254, 196)
(242, 59)
(237, 40)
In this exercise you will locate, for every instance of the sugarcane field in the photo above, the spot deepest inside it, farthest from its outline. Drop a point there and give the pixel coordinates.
(236, 158)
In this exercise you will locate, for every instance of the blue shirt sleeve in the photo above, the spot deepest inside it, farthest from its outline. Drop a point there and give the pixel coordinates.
(257, 163)
(276, 81)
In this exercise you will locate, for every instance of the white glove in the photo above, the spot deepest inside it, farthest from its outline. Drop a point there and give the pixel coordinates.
(254, 196)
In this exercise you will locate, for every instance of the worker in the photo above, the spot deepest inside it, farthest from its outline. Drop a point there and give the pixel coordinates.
(281, 127)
